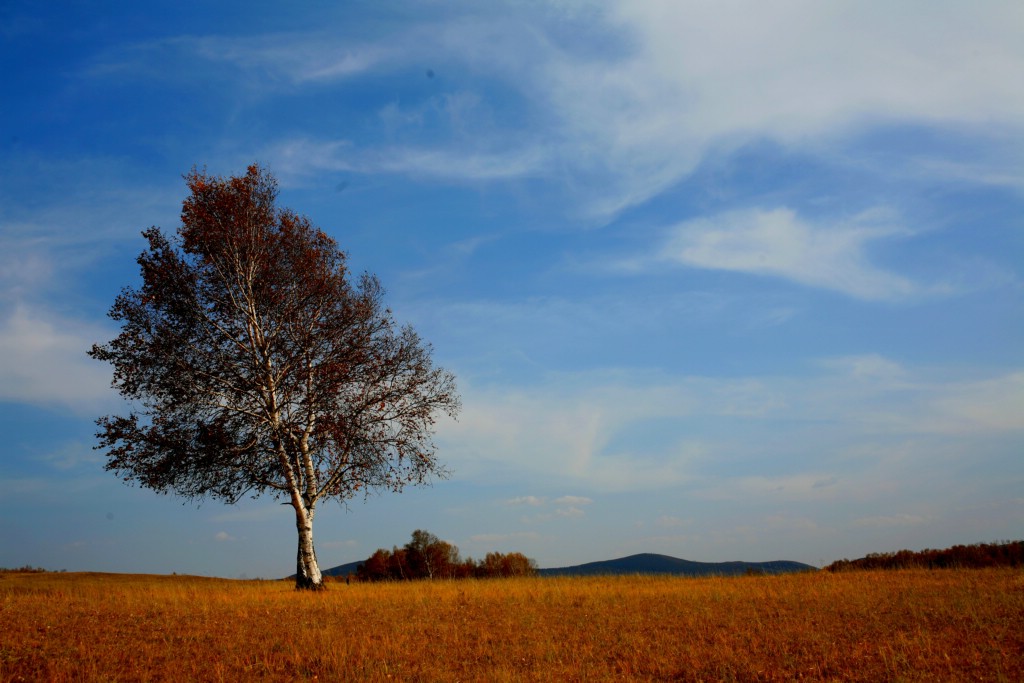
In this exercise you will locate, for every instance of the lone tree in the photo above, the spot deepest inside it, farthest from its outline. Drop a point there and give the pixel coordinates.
(254, 364)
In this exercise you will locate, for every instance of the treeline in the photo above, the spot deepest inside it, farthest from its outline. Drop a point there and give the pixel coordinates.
(27, 569)
(1005, 554)
(426, 556)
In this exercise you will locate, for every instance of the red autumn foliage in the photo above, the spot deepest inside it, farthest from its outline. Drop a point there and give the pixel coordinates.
(426, 556)
(978, 555)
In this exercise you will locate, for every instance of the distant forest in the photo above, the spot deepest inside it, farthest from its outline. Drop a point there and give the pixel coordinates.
(1005, 554)
(426, 556)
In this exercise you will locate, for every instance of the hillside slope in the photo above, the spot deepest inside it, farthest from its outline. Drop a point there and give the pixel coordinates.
(650, 563)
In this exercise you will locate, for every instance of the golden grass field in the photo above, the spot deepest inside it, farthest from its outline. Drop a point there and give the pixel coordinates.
(913, 625)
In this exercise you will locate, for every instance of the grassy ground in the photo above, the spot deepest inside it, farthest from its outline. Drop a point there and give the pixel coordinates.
(858, 626)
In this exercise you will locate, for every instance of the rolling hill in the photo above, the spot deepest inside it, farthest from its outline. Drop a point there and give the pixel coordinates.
(650, 563)
(343, 570)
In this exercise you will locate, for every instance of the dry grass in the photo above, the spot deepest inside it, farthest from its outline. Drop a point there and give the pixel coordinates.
(866, 626)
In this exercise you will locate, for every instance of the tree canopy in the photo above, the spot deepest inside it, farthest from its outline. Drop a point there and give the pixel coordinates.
(426, 556)
(254, 362)
(977, 555)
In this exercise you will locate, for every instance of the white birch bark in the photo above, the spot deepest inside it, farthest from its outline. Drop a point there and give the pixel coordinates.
(307, 570)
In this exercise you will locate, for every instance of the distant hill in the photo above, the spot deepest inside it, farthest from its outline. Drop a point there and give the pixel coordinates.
(650, 563)
(644, 563)
(343, 569)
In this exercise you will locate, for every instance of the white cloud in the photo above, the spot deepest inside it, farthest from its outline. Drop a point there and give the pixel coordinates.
(573, 500)
(43, 361)
(278, 58)
(997, 172)
(814, 437)
(563, 430)
(889, 521)
(799, 65)
(869, 367)
(986, 405)
(302, 156)
(707, 75)
(647, 90)
(785, 488)
(888, 398)
(22, 271)
(86, 205)
(297, 59)
(223, 536)
(566, 506)
(779, 243)
(72, 454)
(457, 162)
(526, 500)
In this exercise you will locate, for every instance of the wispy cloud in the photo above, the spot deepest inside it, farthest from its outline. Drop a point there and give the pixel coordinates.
(573, 500)
(569, 430)
(799, 72)
(563, 429)
(646, 91)
(279, 58)
(890, 521)
(70, 455)
(43, 362)
(526, 500)
(984, 405)
(86, 202)
(779, 243)
(564, 507)
(788, 488)
(868, 367)
(460, 165)
(458, 162)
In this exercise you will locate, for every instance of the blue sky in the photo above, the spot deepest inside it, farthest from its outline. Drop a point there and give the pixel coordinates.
(728, 280)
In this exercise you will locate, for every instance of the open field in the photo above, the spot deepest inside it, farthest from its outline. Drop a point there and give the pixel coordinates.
(914, 625)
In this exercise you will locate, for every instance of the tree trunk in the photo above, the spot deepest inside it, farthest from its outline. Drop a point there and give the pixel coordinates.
(307, 571)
